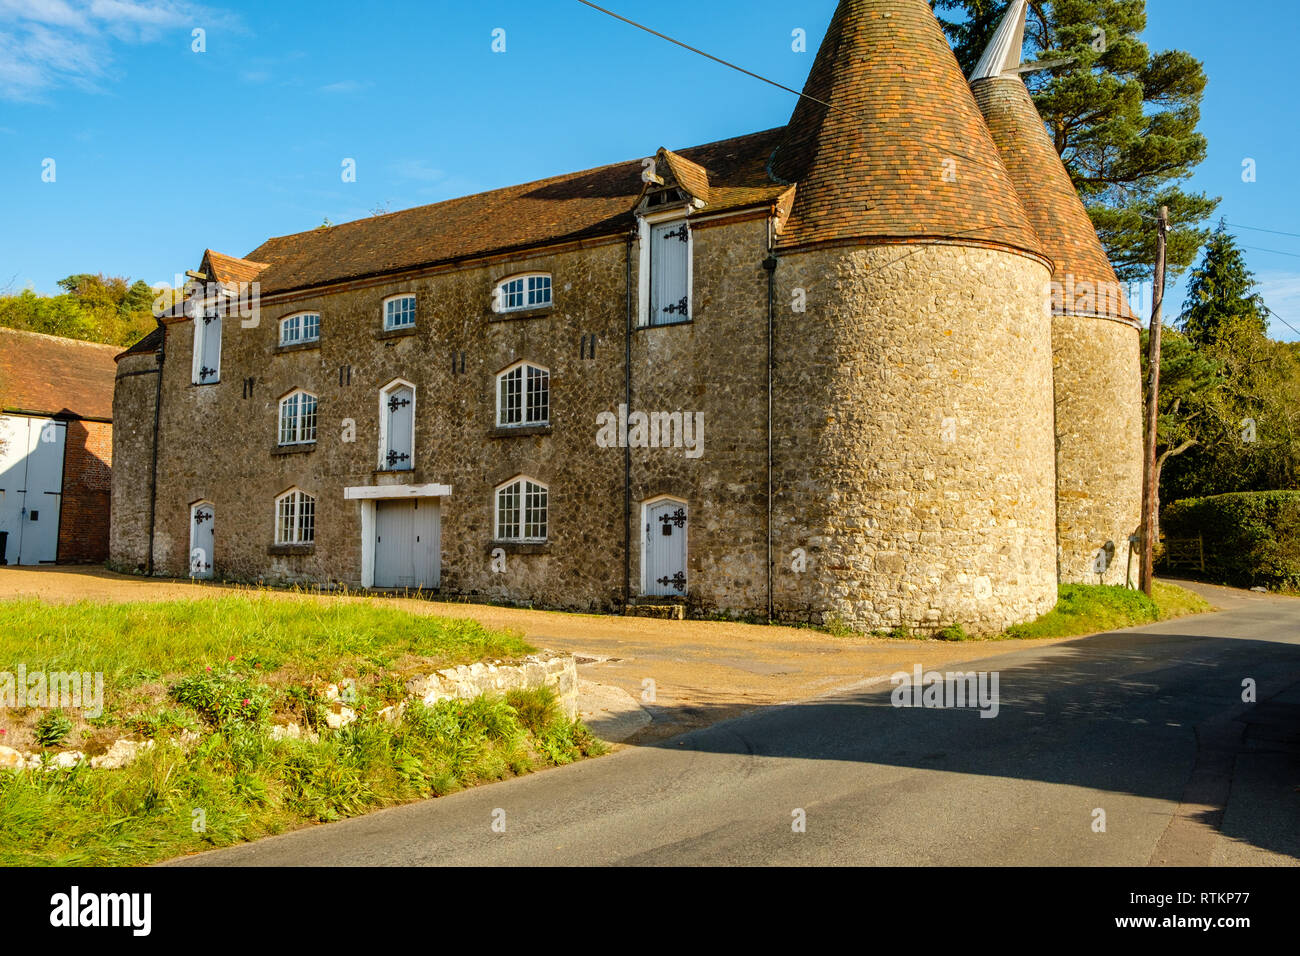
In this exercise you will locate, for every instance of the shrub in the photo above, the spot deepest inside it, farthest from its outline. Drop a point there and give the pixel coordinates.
(1250, 538)
(224, 698)
(53, 728)
(953, 632)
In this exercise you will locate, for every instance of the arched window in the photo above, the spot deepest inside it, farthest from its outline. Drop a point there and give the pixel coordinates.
(295, 518)
(300, 328)
(399, 311)
(518, 293)
(298, 418)
(397, 426)
(524, 396)
(521, 510)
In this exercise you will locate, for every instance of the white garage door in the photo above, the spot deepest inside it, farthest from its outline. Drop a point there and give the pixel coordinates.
(31, 486)
(407, 544)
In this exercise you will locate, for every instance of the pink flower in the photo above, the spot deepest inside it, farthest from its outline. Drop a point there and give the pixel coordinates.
(207, 668)
(230, 658)
(245, 702)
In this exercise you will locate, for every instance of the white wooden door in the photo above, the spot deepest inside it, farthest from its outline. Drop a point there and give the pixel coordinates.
(407, 544)
(670, 263)
(664, 555)
(426, 558)
(202, 539)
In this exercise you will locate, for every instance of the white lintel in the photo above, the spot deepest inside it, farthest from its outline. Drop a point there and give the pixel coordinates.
(371, 492)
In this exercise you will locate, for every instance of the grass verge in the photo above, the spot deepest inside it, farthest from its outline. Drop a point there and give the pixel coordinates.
(1091, 608)
(219, 674)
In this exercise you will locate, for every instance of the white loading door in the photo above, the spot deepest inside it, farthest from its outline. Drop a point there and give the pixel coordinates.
(401, 418)
(664, 557)
(31, 487)
(408, 549)
(670, 265)
(202, 539)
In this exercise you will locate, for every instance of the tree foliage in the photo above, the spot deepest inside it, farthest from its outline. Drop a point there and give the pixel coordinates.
(1229, 395)
(95, 308)
(1123, 119)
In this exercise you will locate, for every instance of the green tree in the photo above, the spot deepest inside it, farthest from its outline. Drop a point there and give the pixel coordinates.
(92, 307)
(1221, 296)
(1123, 119)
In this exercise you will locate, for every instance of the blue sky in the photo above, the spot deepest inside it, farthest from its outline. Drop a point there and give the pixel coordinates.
(160, 151)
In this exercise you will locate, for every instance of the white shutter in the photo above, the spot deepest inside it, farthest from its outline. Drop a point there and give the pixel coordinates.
(211, 349)
(670, 266)
(401, 416)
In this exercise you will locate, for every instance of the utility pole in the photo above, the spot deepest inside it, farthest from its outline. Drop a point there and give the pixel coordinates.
(1149, 480)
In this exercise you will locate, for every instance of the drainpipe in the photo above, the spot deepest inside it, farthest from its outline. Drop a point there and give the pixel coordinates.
(770, 265)
(627, 450)
(153, 470)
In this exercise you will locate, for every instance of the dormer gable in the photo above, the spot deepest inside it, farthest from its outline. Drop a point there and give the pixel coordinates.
(672, 180)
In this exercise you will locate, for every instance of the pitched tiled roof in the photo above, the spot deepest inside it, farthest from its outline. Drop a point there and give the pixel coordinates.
(873, 164)
(1053, 204)
(692, 177)
(223, 268)
(597, 202)
(150, 343)
(50, 375)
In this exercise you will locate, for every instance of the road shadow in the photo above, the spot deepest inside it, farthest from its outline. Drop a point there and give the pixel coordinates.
(1125, 712)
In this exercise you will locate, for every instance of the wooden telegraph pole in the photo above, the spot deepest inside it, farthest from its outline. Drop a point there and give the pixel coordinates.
(1149, 489)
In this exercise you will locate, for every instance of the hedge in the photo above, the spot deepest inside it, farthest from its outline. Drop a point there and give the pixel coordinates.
(1251, 539)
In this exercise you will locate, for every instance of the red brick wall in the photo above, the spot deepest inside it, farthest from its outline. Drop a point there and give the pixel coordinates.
(87, 468)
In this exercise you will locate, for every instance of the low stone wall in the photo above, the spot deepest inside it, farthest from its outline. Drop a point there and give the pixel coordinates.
(558, 672)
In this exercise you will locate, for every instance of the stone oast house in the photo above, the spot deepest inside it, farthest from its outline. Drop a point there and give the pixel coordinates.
(807, 372)
(56, 448)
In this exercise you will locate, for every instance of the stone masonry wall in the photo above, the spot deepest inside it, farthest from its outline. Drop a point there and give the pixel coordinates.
(218, 442)
(915, 463)
(1098, 383)
(133, 404)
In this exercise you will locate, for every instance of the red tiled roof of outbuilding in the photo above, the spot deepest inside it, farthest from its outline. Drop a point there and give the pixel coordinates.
(49, 375)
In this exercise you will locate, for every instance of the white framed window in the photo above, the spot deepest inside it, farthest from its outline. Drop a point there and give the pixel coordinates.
(524, 396)
(399, 311)
(207, 347)
(666, 269)
(295, 518)
(300, 328)
(298, 418)
(397, 426)
(521, 510)
(522, 292)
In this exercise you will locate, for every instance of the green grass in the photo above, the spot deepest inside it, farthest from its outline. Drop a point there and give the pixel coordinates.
(1090, 608)
(227, 669)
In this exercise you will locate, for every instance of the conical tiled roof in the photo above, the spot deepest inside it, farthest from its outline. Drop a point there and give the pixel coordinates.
(1083, 280)
(901, 152)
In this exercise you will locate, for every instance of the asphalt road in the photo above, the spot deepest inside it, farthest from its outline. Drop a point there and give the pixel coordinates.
(1146, 725)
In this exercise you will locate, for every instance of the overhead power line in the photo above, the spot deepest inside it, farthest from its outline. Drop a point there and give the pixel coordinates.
(1276, 232)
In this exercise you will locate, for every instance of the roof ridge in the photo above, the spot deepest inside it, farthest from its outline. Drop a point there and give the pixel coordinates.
(547, 180)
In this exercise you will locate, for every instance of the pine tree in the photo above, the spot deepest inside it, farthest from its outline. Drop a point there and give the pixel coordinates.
(1122, 118)
(1221, 296)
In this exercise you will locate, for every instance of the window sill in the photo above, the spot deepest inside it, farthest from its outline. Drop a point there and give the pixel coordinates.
(534, 313)
(282, 549)
(521, 547)
(666, 325)
(519, 431)
(394, 471)
(299, 449)
(297, 347)
(396, 333)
